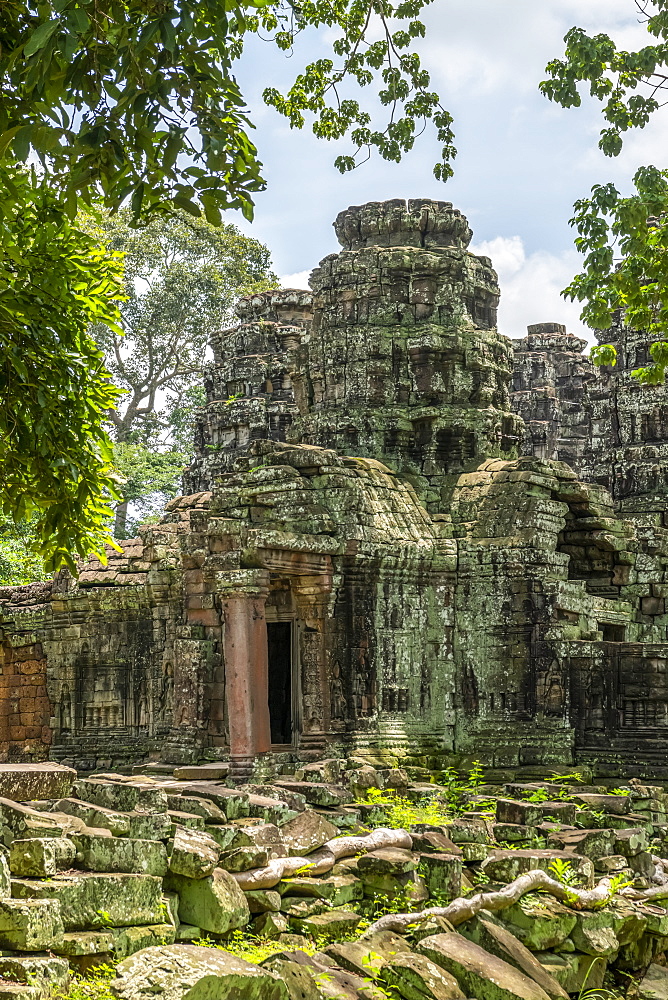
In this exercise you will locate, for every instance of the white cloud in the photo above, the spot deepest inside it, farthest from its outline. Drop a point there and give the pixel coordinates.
(477, 47)
(531, 286)
(297, 280)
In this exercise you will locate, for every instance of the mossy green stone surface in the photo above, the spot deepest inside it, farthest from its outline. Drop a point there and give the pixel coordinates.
(30, 924)
(200, 973)
(90, 901)
(118, 854)
(216, 903)
(478, 973)
(540, 924)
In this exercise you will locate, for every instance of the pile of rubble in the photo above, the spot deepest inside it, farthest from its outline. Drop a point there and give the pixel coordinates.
(532, 891)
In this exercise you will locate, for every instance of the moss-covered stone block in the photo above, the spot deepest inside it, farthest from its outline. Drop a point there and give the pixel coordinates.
(128, 940)
(539, 924)
(98, 817)
(575, 971)
(117, 854)
(329, 925)
(91, 901)
(336, 889)
(270, 925)
(478, 973)
(76, 944)
(45, 780)
(306, 832)
(594, 933)
(415, 977)
(19, 991)
(123, 796)
(149, 826)
(504, 865)
(263, 900)
(216, 903)
(208, 810)
(47, 972)
(498, 940)
(40, 856)
(18, 820)
(30, 924)
(242, 859)
(442, 874)
(170, 972)
(194, 853)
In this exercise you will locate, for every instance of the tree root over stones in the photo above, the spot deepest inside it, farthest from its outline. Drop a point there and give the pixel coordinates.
(322, 860)
(461, 909)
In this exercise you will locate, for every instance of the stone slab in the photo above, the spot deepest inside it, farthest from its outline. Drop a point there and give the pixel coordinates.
(25, 782)
(654, 984)
(478, 973)
(178, 970)
(90, 901)
(201, 772)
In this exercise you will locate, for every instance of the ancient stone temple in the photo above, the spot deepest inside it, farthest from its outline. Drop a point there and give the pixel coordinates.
(402, 536)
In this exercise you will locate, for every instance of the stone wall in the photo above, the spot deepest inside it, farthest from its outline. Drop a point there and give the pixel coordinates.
(25, 708)
(612, 432)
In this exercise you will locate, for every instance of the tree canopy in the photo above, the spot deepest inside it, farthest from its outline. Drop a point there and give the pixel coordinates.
(182, 277)
(132, 100)
(624, 238)
(126, 102)
(55, 457)
(19, 562)
(150, 479)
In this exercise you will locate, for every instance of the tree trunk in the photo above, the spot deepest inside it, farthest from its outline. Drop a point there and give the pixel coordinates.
(121, 519)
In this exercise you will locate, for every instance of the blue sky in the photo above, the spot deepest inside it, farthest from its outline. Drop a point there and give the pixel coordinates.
(522, 161)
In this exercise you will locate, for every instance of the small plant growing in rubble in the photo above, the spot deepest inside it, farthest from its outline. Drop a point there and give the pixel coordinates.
(589, 818)
(618, 882)
(247, 946)
(602, 992)
(576, 778)
(480, 877)
(458, 790)
(563, 872)
(93, 986)
(400, 813)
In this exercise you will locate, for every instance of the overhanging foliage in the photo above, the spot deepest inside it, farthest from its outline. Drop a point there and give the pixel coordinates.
(54, 389)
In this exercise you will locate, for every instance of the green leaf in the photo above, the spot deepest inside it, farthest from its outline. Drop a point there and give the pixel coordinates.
(40, 36)
(6, 138)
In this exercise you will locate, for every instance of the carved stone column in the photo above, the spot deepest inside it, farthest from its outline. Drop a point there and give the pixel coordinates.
(314, 598)
(246, 676)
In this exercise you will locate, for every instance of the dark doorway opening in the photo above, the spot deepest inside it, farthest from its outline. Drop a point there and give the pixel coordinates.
(279, 648)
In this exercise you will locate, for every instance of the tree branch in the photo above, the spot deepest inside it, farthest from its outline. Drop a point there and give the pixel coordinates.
(323, 860)
(462, 909)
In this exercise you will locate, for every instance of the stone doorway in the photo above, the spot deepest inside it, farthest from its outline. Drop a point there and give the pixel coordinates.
(280, 657)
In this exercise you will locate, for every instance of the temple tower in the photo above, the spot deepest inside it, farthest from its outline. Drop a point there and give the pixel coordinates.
(404, 363)
(248, 387)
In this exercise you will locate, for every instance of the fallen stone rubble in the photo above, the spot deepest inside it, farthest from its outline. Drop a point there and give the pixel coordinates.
(525, 892)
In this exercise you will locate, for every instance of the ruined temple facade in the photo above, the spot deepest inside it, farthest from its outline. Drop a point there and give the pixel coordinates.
(402, 536)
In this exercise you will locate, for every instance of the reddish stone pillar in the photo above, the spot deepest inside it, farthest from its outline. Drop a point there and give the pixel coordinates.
(246, 680)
